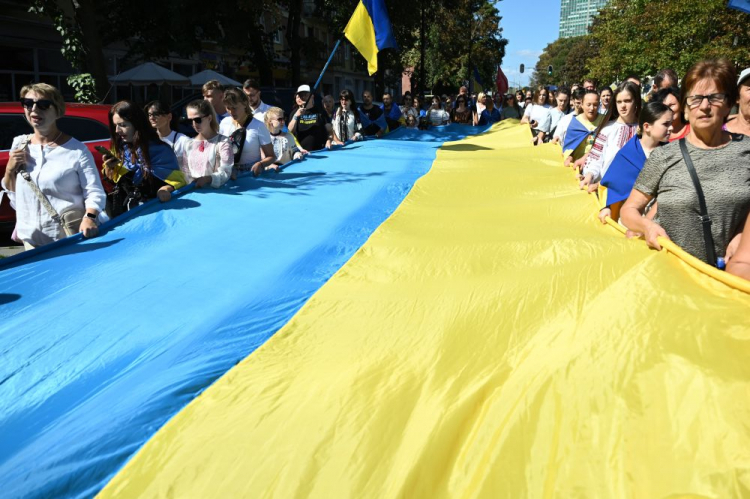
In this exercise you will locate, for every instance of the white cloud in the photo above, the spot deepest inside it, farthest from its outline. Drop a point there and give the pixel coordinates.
(528, 53)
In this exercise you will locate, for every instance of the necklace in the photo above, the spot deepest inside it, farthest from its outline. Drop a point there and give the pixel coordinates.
(53, 141)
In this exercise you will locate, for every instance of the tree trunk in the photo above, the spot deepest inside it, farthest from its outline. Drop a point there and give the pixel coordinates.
(379, 78)
(94, 63)
(293, 38)
(260, 57)
(422, 42)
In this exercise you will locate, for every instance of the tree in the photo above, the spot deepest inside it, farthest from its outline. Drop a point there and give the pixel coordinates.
(643, 36)
(458, 36)
(82, 44)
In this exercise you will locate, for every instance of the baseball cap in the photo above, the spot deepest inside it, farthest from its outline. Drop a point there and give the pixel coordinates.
(303, 88)
(743, 76)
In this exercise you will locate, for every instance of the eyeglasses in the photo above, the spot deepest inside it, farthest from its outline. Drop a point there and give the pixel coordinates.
(278, 118)
(156, 115)
(197, 120)
(344, 99)
(41, 104)
(694, 101)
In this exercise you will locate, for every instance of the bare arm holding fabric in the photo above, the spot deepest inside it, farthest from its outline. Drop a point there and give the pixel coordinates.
(739, 263)
(632, 216)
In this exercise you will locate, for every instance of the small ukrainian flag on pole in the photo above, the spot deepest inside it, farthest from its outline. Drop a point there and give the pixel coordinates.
(370, 31)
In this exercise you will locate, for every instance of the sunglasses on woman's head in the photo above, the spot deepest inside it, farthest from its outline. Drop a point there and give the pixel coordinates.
(41, 104)
(197, 120)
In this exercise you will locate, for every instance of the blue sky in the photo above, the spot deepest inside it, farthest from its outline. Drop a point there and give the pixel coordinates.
(528, 25)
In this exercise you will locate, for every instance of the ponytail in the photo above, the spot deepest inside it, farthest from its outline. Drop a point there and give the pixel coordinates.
(650, 113)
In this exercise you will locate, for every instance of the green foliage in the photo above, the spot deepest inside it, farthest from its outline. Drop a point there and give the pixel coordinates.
(458, 33)
(567, 56)
(643, 36)
(85, 88)
(72, 49)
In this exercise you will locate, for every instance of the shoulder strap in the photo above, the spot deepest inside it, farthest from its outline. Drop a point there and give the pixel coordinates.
(704, 217)
(40, 195)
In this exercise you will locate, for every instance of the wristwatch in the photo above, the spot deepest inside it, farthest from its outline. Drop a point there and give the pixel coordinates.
(91, 216)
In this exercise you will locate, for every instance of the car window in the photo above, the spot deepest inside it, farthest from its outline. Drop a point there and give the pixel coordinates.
(12, 125)
(83, 129)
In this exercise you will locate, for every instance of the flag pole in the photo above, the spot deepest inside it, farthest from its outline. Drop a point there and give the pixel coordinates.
(330, 58)
(328, 62)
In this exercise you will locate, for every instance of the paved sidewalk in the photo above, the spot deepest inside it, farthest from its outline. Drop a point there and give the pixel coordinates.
(6, 251)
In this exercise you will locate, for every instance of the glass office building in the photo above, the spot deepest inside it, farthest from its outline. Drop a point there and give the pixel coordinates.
(576, 16)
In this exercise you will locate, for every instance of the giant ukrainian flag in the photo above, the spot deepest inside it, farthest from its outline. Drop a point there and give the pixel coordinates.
(370, 31)
(403, 318)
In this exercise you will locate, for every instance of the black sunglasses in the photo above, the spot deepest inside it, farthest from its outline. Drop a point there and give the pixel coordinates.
(41, 104)
(197, 120)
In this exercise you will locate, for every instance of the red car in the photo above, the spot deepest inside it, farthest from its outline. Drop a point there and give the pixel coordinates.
(88, 123)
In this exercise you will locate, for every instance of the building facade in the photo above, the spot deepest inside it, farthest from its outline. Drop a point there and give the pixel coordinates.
(30, 49)
(576, 16)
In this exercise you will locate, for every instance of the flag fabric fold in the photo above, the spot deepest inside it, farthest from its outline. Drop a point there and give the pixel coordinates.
(623, 171)
(577, 133)
(370, 31)
(742, 5)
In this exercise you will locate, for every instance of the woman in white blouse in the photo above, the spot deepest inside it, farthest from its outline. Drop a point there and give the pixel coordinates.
(248, 135)
(346, 124)
(616, 130)
(436, 115)
(208, 158)
(160, 118)
(61, 167)
(537, 115)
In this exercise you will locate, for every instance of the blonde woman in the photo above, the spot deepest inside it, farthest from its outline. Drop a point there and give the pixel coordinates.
(249, 136)
(208, 158)
(284, 145)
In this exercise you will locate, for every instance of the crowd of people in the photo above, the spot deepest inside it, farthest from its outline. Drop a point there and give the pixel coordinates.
(673, 163)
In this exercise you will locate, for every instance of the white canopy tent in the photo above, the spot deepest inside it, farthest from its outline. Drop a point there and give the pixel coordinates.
(148, 73)
(199, 79)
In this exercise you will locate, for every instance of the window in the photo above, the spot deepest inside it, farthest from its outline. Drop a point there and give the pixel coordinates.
(12, 125)
(83, 129)
(17, 58)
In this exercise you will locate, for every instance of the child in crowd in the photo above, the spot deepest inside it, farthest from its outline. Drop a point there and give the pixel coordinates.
(284, 144)
(654, 128)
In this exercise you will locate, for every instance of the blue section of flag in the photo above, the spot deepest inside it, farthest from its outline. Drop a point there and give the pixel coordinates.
(477, 78)
(575, 134)
(383, 31)
(623, 171)
(743, 5)
(104, 340)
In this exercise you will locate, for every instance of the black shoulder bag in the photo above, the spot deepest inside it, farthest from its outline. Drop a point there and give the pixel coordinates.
(704, 217)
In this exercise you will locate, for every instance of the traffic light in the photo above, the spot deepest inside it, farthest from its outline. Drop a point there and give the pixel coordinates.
(549, 70)
(522, 68)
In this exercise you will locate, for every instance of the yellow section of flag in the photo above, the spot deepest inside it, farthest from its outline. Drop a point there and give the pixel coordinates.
(360, 31)
(491, 339)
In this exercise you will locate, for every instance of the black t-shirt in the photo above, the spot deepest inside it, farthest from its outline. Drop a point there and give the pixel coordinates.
(311, 130)
(373, 114)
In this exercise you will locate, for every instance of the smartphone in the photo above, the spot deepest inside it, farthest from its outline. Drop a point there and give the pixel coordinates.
(104, 151)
